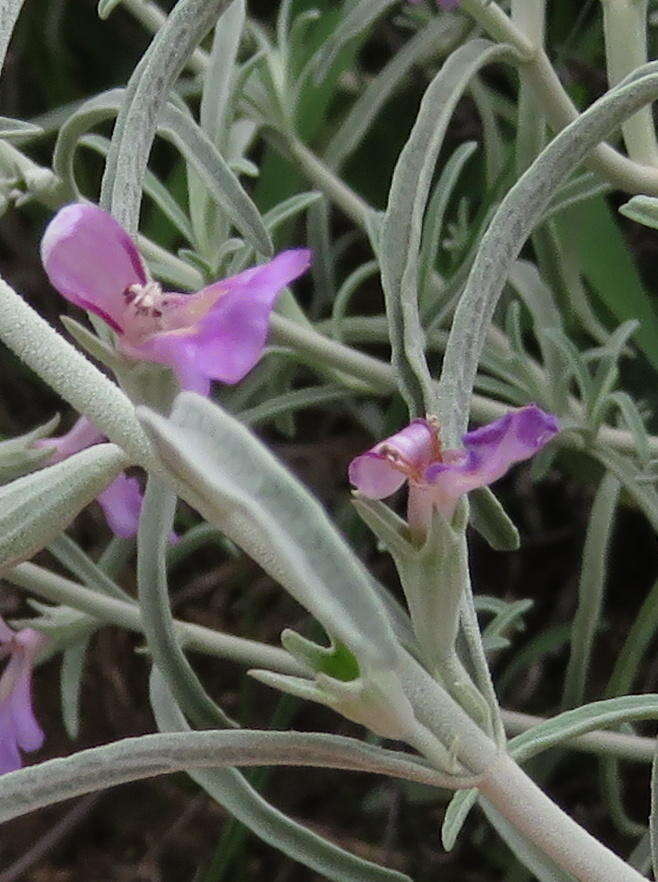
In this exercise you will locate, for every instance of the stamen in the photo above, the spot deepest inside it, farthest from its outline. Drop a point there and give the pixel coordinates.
(145, 300)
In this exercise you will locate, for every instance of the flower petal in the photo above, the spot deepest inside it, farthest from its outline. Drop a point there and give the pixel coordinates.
(226, 342)
(91, 260)
(375, 476)
(490, 451)
(385, 467)
(121, 502)
(29, 734)
(82, 435)
(232, 336)
(10, 758)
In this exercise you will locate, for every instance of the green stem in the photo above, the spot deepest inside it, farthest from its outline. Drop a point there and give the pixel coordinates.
(634, 748)
(317, 171)
(623, 173)
(625, 30)
(110, 610)
(547, 827)
(107, 610)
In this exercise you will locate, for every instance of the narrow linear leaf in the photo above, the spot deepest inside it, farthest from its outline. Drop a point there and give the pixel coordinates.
(356, 20)
(591, 589)
(514, 221)
(653, 817)
(9, 11)
(488, 517)
(400, 240)
(433, 39)
(35, 508)
(146, 95)
(18, 129)
(236, 484)
(230, 789)
(155, 525)
(73, 662)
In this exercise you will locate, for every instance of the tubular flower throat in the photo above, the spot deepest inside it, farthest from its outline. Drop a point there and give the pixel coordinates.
(216, 334)
(19, 730)
(438, 478)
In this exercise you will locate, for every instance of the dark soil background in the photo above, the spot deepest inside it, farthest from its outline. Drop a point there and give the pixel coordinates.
(167, 830)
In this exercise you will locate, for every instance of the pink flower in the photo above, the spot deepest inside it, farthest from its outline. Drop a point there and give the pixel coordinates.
(19, 729)
(121, 500)
(216, 334)
(437, 478)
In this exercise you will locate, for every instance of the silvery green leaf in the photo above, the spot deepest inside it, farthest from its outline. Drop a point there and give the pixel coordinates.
(236, 484)
(146, 96)
(456, 813)
(70, 555)
(643, 494)
(634, 423)
(9, 11)
(643, 210)
(106, 7)
(73, 662)
(488, 517)
(216, 174)
(433, 227)
(335, 660)
(432, 39)
(653, 816)
(216, 113)
(358, 17)
(218, 80)
(391, 530)
(63, 625)
(432, 574)
(35, 508)
(494, 643)
(597, 715)
(17, 129)
(318, 235)
(153, 187)
(375, 701)
(195, 146)
(580, 188)
(290, 208)
(345, 292)
(155, 524)
(509, 618)
(291, 402)
(18, 456)
(400, 241)
(231, 790)
(591, 590)
(514, 221)
(91, 343)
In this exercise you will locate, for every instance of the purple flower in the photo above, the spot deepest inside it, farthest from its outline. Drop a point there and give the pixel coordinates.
(19, 729)
(121, 500)
(216, 334)
(437, 478)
